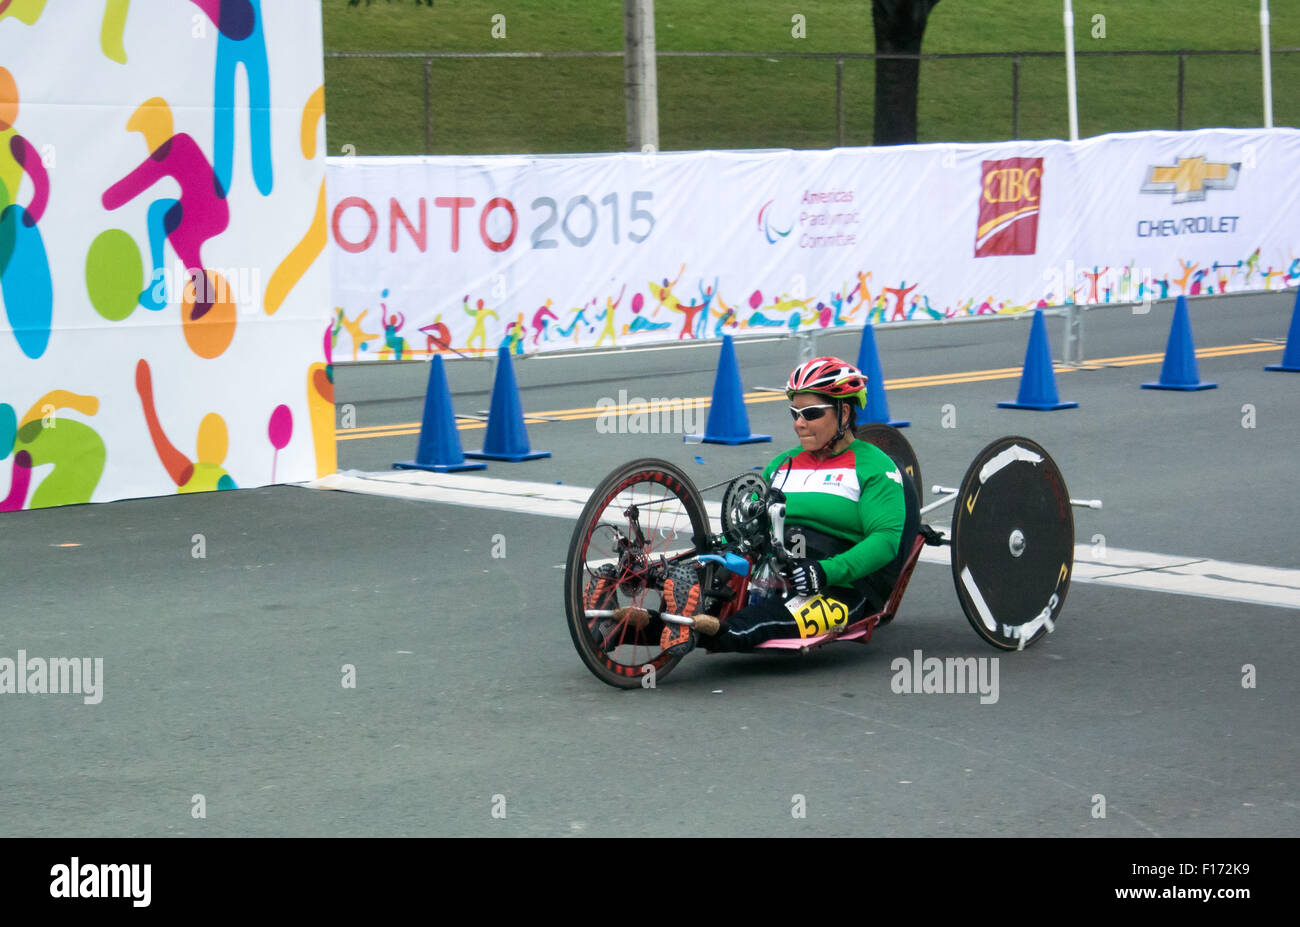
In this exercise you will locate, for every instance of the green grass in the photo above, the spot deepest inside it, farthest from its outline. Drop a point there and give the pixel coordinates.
(576, 104)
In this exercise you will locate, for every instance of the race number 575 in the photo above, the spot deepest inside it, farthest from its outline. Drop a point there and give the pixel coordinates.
(818, 615)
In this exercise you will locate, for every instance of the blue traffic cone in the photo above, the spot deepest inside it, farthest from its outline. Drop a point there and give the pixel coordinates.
(728, 419)
(1038, 380)
(1179, 369)
(507, 438)
(1291, 356)
(439, 447)
(869, 364)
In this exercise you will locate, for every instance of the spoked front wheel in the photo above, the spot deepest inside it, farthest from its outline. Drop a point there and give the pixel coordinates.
(643, 519)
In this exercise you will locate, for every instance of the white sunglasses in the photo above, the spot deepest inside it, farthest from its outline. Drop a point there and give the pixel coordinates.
(809, 413)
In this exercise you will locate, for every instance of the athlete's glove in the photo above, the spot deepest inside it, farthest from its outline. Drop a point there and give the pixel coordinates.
(807, 577)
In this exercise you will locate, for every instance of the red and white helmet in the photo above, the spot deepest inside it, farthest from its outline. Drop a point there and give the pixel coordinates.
(828, 376)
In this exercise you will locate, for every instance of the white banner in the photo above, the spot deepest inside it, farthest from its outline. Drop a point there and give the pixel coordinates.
(549, 253)
(162, 209)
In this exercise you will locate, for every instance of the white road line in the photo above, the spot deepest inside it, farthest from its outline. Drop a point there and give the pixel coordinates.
(556, 499)
(1211, 579)
(1131, 569)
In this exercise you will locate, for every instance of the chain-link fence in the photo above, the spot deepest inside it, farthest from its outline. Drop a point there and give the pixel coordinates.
(486, 102)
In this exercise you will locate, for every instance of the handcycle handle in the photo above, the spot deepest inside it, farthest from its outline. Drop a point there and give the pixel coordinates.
(733, 563)
(776, 512)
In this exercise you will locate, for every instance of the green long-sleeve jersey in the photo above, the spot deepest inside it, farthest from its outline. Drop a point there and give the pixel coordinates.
(856, 495)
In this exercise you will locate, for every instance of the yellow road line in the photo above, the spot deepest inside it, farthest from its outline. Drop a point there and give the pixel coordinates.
(751, 398)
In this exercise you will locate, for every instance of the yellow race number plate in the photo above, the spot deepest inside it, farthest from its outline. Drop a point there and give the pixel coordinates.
(818, 615)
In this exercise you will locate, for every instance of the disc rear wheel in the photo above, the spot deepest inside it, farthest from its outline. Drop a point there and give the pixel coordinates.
(890, 440)
(1012, 543)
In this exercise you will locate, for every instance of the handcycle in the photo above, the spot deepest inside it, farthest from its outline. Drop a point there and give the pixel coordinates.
(1011, 540)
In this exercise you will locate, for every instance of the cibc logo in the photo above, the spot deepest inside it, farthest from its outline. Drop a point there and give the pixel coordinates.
(1011, 192)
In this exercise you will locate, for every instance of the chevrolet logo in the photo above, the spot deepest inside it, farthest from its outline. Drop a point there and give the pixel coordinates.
(1190, 178)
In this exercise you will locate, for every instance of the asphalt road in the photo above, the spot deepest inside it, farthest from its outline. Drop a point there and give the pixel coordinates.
(472, 714)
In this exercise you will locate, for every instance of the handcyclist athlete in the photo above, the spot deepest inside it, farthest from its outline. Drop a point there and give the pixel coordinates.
(844, 496)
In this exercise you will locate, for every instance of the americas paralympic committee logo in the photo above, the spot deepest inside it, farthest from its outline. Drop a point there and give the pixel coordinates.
(765, 225)
(1188, 179)
(1011, 193)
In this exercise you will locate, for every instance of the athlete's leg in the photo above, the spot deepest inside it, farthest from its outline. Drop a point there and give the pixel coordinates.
(772, 620)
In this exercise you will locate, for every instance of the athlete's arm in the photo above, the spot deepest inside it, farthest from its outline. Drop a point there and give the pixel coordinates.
(882, 513)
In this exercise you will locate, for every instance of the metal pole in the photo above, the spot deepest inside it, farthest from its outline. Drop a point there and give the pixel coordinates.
(949, 495)
(1182, 68)
(1015, 97)
(1268, 71)
(640, 81)
(1073, 354)
(428, 97)
(1070, 88)
(839, 102)
(807, 345)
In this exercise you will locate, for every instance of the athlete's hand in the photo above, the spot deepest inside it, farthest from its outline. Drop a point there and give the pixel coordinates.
(807, 577)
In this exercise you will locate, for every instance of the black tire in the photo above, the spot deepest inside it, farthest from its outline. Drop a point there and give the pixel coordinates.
(666, 493)
(1012, 543)
(890, 440)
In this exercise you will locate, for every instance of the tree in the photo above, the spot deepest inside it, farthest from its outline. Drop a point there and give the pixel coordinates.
(899, 26)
